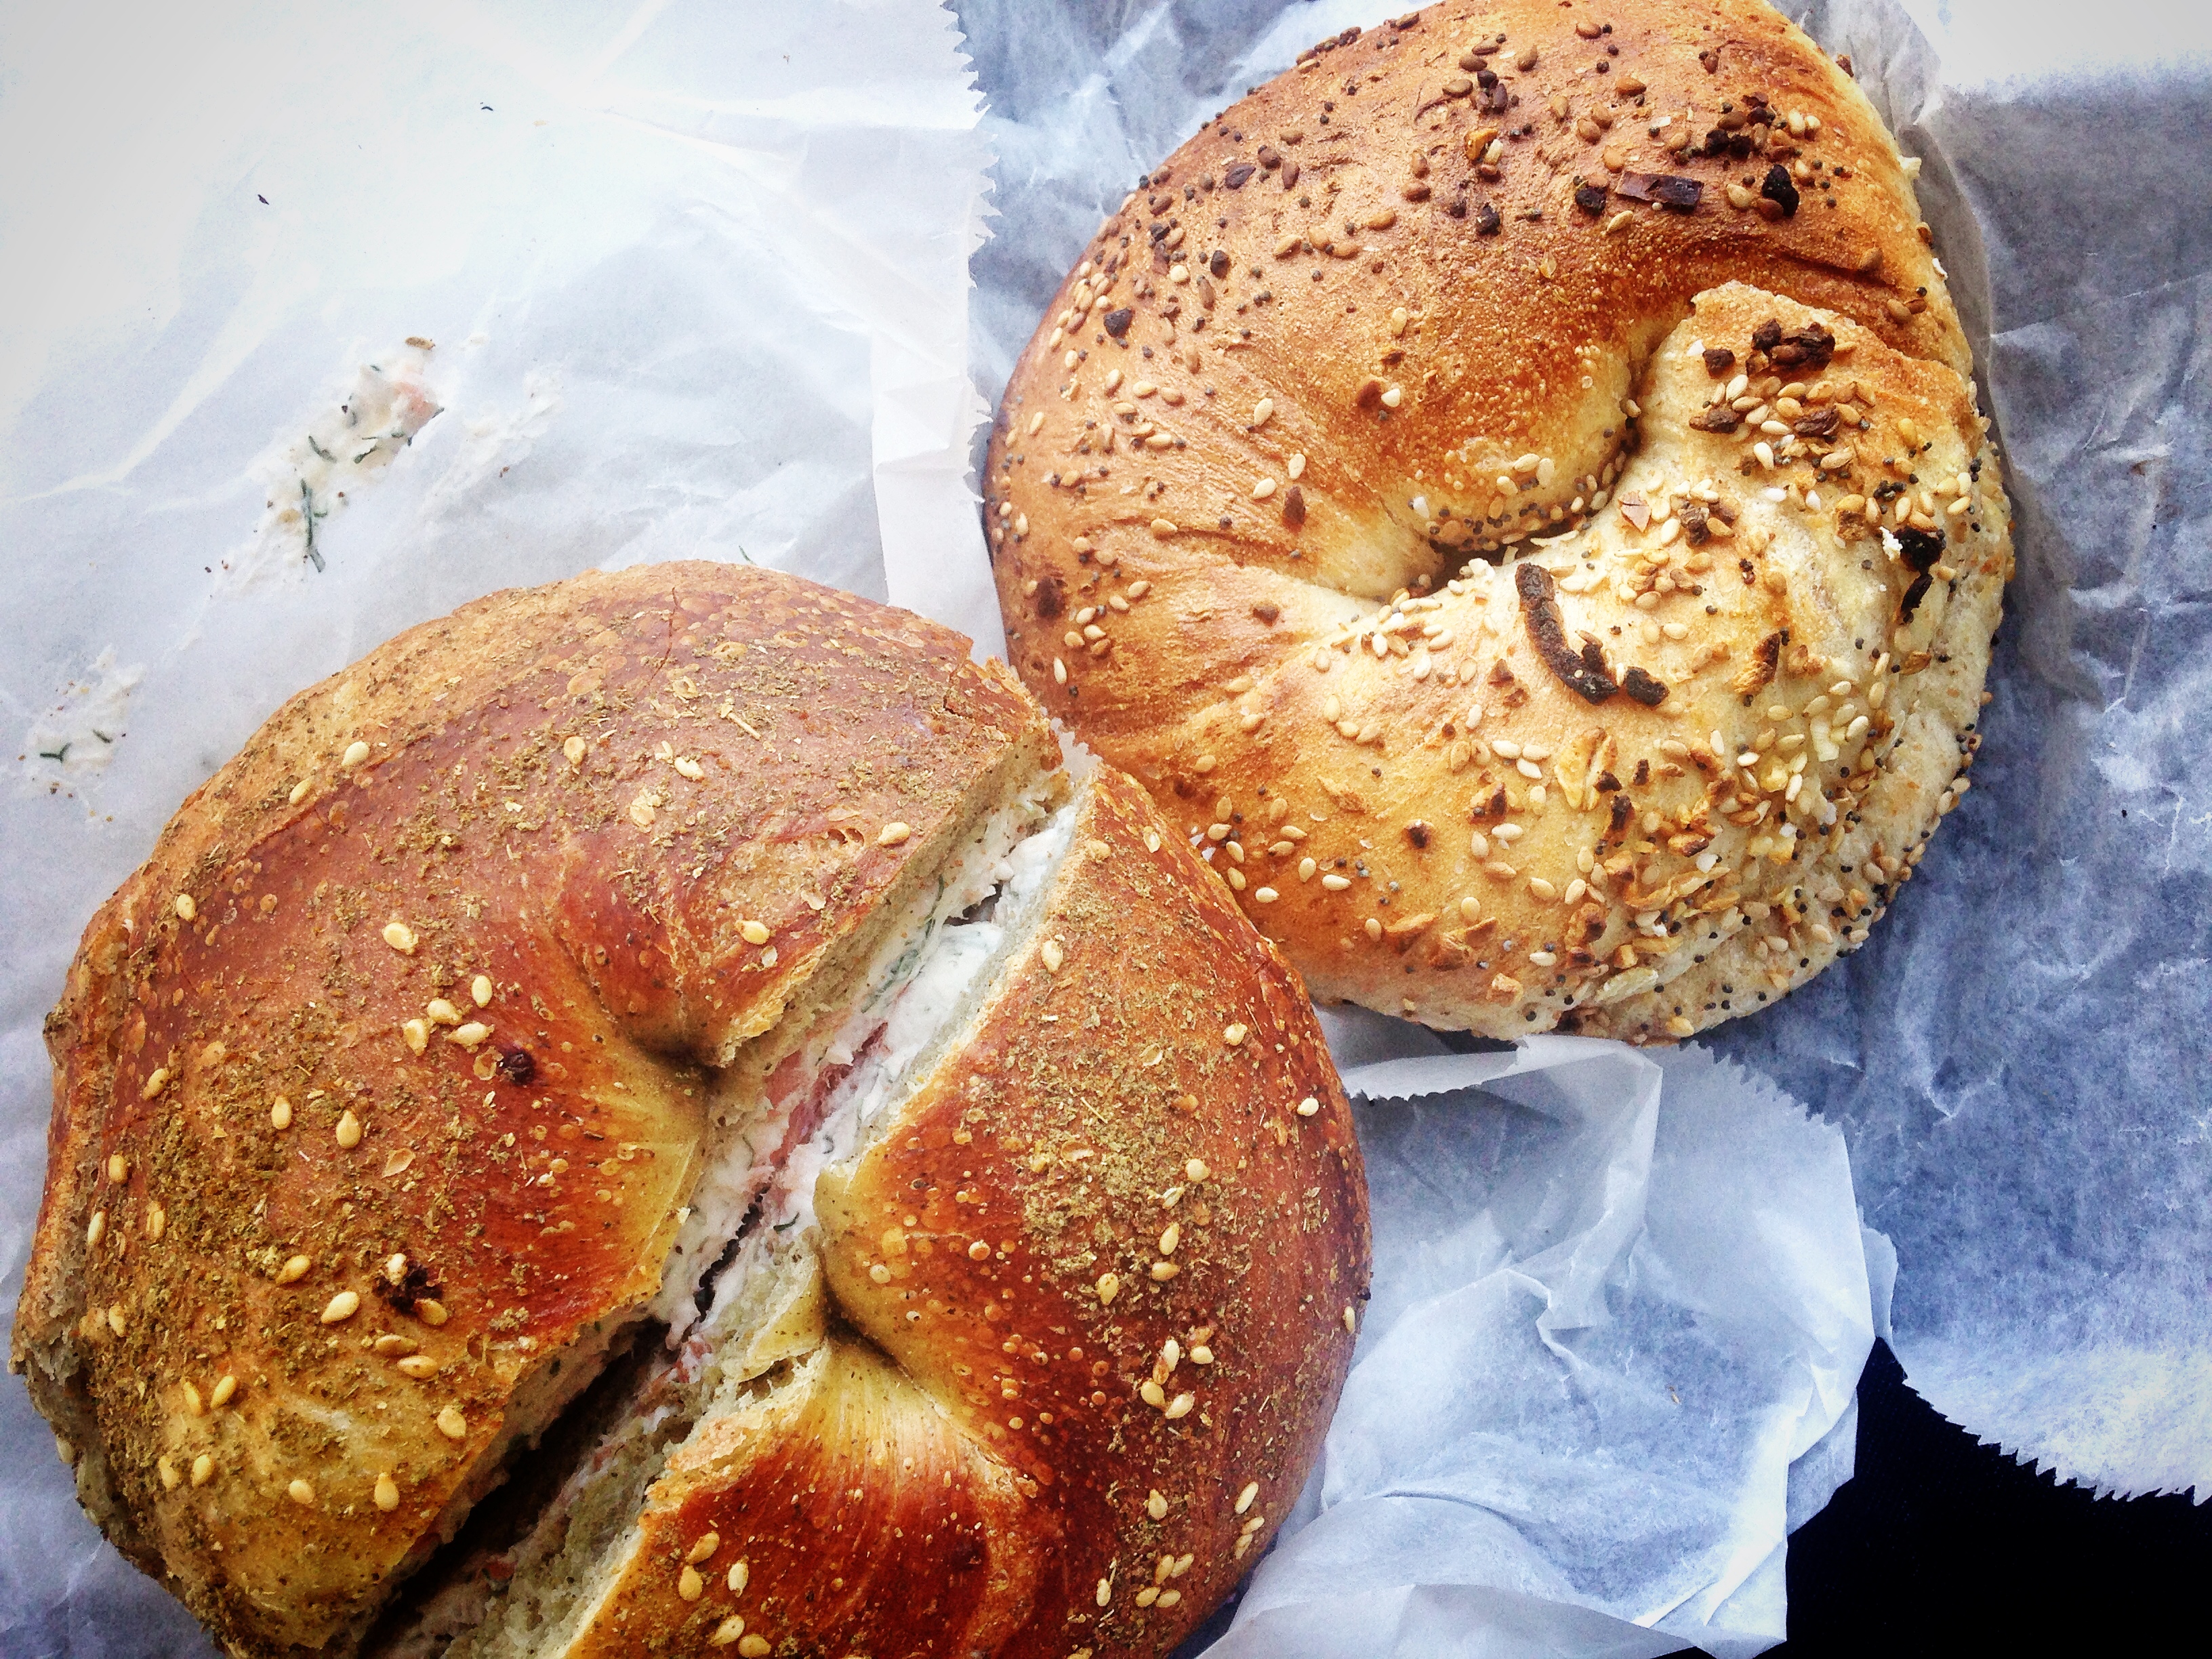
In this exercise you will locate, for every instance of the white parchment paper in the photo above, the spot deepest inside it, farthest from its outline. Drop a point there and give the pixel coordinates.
(1620, 1309)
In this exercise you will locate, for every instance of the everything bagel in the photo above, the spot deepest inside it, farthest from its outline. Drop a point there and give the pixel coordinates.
(1511, 488)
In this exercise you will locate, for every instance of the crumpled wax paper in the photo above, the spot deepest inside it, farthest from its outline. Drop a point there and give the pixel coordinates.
(2019, 1058)
(688, 273)
(1620, 1309)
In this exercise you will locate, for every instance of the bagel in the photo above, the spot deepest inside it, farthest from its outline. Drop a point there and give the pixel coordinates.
(1511, 488)
(655, 1114)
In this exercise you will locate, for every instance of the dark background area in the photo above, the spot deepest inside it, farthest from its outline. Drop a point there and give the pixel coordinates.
(1939, 1542)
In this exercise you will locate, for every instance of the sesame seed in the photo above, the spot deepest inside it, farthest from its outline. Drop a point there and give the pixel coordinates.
(1351, 1322)
(203, 1469)
(1180, 1407)
(1308, 1106)
(155, 1082)
(1201, 1355)
(1164, 1271)
(1105, 1591)
(480, 989)
(753, 1647)
(453, 1424)
(727, 1632)
(442, 1013)
(418, 1366)
(1233, 1035)
(688, 1584)
(1392, 396)
(167, 1471)
(1053, 955)
(193, 1403)
(431, 1311)
(300, 1492)
(342, 1307)
(387, 1493)
(1195, 1169)
(893, 834)
(400, 937)
(575, 749)
(415, 1032)
(157, 1222)
(95, 1230)
(1263, 412)
(740, 1574)
(298, 792)
(1109, 1285)
(355, 753)
(184, 907)
(754, 933)
(1163, 528)
(471, 1034)
(1262, 488)
(1336, 883)
(1156, 1506)
(1170, 1238)
(1244, 1499)
(349, 1129)
(295, 1268)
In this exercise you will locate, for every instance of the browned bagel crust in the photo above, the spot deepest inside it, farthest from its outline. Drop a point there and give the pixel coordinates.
(1404, 306)
(1097, 1106)
(594, 796)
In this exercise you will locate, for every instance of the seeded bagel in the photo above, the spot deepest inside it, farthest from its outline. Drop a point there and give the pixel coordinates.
(1511, 488)
(646, 1043)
